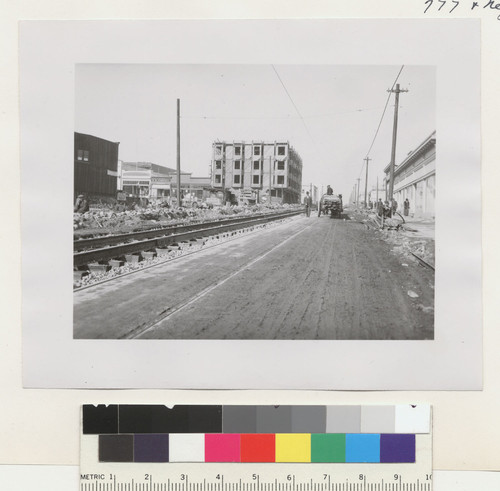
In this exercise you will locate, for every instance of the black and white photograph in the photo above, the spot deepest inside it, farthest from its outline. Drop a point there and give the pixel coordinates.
(213, 208)
(254, 202)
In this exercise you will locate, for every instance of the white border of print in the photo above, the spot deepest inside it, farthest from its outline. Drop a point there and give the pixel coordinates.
(48, 52)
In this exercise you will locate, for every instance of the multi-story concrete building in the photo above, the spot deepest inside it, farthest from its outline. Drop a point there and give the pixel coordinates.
(257, 171)
(415, 179)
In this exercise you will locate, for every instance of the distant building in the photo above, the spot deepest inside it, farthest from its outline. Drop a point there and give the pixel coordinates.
(257, 171)
(415, 179)
(152, 181)
(95, 166)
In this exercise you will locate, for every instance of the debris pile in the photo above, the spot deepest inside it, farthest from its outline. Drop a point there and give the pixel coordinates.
(108, 221)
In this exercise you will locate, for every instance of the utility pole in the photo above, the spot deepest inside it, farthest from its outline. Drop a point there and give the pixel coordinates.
(366, 182)
(357, 193)
(178, 152)
(397, 91)
(270, 178)
(377, 189)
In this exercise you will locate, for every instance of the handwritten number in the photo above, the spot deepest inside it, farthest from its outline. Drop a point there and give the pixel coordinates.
(443, 3)
(456, 5)
(430, 2)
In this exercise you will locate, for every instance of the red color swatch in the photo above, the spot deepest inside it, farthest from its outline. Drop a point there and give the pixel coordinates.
(258, 447)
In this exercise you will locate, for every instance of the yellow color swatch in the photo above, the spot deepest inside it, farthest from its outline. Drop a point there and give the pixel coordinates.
(293, 447)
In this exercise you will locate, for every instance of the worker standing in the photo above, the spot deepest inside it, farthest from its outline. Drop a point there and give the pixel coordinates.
(308, 204)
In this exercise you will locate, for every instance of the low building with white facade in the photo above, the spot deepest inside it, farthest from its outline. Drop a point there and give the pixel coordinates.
(415, 179)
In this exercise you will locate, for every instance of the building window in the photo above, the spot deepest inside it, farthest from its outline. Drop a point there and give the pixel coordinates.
(281, 150)
(218, 150)
(256, 179)
(256, 150)
(237, 179)
(217, 178)
(256, 165)
(281, 165)
(82, 155)
(218, 164)
(281, 179)
(237, 150)
(237, 164)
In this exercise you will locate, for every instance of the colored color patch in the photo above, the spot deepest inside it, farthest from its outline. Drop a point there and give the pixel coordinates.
(258, 448)
(222, 447)
(239, 419)
(362, 448)
(343, 419)
(328, 447)
(151, 448)
(116, 448)
(99, 419)
(188, 447)
(397, 448)
(308, 419)
(293, 447)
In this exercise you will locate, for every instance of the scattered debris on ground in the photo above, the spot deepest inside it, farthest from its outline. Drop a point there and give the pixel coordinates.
(404, 237)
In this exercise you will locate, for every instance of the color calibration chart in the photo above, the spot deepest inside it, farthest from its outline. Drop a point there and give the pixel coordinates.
(255, 448)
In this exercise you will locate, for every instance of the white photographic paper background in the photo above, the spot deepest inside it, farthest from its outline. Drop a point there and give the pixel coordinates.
(48, 54)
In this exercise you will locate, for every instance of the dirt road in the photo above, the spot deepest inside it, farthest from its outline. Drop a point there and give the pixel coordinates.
(316, 278)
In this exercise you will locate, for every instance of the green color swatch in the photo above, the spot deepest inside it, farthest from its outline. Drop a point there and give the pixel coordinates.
(329, 447)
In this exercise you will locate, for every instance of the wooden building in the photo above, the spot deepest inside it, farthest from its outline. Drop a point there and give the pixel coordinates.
(96, 166)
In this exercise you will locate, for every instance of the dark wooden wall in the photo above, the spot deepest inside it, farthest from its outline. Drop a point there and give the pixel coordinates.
(91, 177)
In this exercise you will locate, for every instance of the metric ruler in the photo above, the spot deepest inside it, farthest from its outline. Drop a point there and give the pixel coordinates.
(250, 477)
(120, 454)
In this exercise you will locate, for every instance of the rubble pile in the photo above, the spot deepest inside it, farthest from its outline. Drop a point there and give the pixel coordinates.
(404, 244)
(107, 221)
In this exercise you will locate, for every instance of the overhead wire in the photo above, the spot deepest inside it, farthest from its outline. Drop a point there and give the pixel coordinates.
(293, 103)
(381, 118)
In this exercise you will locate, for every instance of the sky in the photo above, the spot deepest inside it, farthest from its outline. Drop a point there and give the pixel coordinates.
(328, 113)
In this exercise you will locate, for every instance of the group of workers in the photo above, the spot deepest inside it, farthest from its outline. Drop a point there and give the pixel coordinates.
(387, 209)
(384, 208)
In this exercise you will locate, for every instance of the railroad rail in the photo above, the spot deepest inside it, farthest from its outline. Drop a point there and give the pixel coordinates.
(105, 248)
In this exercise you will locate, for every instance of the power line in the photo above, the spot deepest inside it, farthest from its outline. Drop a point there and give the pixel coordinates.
(383, 112)
(292, 101)
(313, 116)
(382, 117)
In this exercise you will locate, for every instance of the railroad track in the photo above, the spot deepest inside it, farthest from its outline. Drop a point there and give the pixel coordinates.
(102, 249)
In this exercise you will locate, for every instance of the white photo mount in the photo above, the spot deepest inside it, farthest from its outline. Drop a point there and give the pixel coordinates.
(49, 51)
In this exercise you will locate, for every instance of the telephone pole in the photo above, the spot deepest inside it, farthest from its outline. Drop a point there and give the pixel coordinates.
(366, 182)
(397, 91)
(178, 152)
(357, 194)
